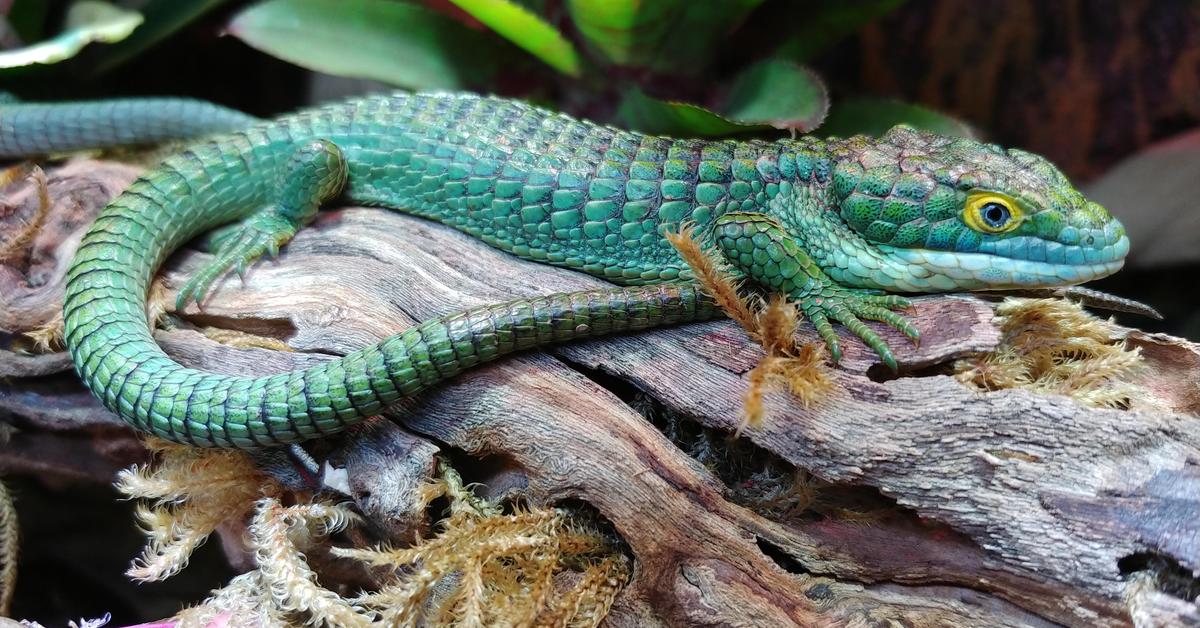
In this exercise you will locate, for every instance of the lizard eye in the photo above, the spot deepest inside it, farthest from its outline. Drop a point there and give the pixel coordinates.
(989, 212)
(995, 215)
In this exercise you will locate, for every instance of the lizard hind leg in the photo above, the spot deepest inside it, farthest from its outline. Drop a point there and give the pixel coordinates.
(759, 247)
(315, 173)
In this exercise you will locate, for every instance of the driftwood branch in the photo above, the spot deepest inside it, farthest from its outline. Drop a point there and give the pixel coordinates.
(1002, 508)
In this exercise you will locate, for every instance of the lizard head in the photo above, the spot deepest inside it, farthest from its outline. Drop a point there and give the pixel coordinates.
(970, 215)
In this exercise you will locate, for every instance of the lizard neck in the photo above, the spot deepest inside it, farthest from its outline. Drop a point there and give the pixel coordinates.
(809, 207)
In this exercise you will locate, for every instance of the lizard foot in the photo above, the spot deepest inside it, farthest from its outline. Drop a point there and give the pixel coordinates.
(217, 238)
(848, 307)
(262, 234)
(757, 245)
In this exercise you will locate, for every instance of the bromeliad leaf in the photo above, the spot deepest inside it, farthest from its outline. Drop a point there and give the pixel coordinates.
(527, 30)
(87, 21)
(771, 94)
(394, 42)
(651, 115)
(875, 116)
(665, 35)
(778, 93)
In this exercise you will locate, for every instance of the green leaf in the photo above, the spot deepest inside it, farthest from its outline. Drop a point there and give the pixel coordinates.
(820, 25)
(665, 35)
(871, 116)
(87, 21)
(650, 115)
(525, 29)
(779, 93)
(770, 94)
(394, 42)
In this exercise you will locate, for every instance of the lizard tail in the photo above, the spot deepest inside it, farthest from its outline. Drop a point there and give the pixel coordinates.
(45, 128)
(107, 332)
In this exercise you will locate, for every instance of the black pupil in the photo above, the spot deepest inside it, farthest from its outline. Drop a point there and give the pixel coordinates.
(995, 214)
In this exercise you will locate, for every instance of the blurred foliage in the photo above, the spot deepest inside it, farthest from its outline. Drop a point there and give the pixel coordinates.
(874, 116)
(527, 30)
(1084, 83)
(660, 67)
(87, 21)
(161, 19)
(368, 38)
(675, 36)
(771, 93)
(814, 31)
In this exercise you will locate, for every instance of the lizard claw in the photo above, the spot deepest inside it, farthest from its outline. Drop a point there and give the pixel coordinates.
(849, 307)
(261, 233)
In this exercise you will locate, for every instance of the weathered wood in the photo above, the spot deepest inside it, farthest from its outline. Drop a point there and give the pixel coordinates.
(31, 282)
(1004, 508)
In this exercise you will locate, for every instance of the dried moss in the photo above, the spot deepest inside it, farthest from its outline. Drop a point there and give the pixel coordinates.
(9, 548)
(244, 340)
(16, 242)
(486, 566)
(15, 245)
(802, 369)
(189, 492)
(489, 568)
(1055, 346)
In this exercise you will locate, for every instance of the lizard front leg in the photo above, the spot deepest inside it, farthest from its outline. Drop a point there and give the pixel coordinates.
(761, 249)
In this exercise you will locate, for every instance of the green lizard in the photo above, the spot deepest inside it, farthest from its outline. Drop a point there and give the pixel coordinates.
(838, 225)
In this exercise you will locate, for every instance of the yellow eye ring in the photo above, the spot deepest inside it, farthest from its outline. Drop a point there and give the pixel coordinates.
(991, 212)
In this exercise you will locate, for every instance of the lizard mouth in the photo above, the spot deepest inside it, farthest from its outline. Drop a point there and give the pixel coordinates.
(993, 271)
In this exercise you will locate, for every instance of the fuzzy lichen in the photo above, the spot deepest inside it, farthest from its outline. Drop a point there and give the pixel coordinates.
(280, 536)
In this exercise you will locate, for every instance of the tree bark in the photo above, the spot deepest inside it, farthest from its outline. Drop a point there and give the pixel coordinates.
(1004, 508)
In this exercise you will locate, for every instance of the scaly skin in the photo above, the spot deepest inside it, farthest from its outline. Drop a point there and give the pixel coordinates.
(44, 129)
(831, 223)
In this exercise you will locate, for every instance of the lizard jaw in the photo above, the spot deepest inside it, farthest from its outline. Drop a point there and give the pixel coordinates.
(986, 271)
